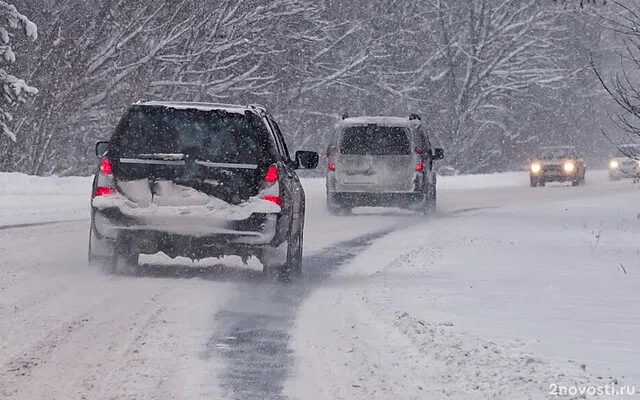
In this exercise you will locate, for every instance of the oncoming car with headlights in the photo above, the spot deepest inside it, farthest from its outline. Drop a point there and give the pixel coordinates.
(625, 164)
(557, 164)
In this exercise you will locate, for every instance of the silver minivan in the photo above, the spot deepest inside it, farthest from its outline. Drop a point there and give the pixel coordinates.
(381, 162)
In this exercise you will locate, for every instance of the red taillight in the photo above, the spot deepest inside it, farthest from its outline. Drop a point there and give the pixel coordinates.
(419, 167)
(332, 166)
(274, 199)
(105, 167)
(101, 191)
(272, 174)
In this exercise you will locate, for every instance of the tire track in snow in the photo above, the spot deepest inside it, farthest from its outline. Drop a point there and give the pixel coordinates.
(253, 336)
(36, 224)
(88, 349)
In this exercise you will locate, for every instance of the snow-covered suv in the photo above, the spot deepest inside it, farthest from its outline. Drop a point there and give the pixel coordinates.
(381, 161)
(198, 180)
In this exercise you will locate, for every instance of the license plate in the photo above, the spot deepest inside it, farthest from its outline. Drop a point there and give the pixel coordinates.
(361, 179)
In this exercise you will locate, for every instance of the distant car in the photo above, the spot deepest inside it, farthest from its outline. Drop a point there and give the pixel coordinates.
(198, 180)
(557, 164)
(626, 163)
(381, 161)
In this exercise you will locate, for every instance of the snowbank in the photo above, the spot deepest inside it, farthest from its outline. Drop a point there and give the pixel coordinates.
(26, 199)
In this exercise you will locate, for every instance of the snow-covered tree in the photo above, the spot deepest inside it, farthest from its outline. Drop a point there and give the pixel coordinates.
(14, 90)
(479, 58)
(624, 22)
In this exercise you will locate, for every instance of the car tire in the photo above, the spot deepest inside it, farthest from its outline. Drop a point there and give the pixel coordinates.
(292, 266)
(334, 207)
(126, 263)
(101, 252)
(120, 259)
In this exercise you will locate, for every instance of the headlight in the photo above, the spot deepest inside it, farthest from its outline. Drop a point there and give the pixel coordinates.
(535, 168)
(569, 167)
(614, 164)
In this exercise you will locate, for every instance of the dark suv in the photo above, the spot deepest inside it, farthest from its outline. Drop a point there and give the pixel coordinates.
(198, 180)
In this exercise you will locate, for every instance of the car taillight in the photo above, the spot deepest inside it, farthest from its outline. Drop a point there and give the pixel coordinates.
(271, 191)
(105, 167)
(272, 174)
(274, 199)
(102, 191)
(419, 167)
(331, 166)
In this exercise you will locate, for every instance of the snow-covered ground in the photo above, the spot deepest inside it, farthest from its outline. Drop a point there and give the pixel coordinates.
(509, 292)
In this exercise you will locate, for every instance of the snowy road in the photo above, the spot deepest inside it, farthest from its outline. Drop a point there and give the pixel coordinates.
(491, 298)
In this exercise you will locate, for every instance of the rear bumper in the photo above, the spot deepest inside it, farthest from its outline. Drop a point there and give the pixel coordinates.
(396, 185)
(209, 238)
(368, 199)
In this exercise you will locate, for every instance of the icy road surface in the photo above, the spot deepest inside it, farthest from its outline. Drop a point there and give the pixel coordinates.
(509, 292)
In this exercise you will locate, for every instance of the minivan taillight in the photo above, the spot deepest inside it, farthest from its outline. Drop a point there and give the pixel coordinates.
(332, 166)
(105, 167)
(419, 167)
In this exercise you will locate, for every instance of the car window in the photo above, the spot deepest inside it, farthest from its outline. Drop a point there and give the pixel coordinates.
(282, 145)
(209, 135)
(375, 140)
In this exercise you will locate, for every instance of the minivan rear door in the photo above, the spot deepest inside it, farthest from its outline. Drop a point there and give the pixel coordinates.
(375, 158)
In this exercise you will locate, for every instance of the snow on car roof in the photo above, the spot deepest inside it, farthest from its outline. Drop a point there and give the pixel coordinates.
(184, 105)
(378, 120)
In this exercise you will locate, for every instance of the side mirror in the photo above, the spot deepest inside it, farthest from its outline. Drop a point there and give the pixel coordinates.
(307, 159)
(101, 149)
(438, 153)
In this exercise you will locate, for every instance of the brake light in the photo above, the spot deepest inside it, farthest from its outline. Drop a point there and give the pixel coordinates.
(274, 199)
(419, 167)
(105, 167)
(102, 191)
(272, 174)
(332, 166)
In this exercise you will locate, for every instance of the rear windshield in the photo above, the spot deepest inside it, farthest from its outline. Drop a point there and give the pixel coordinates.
(214, 136)
(375, 140)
